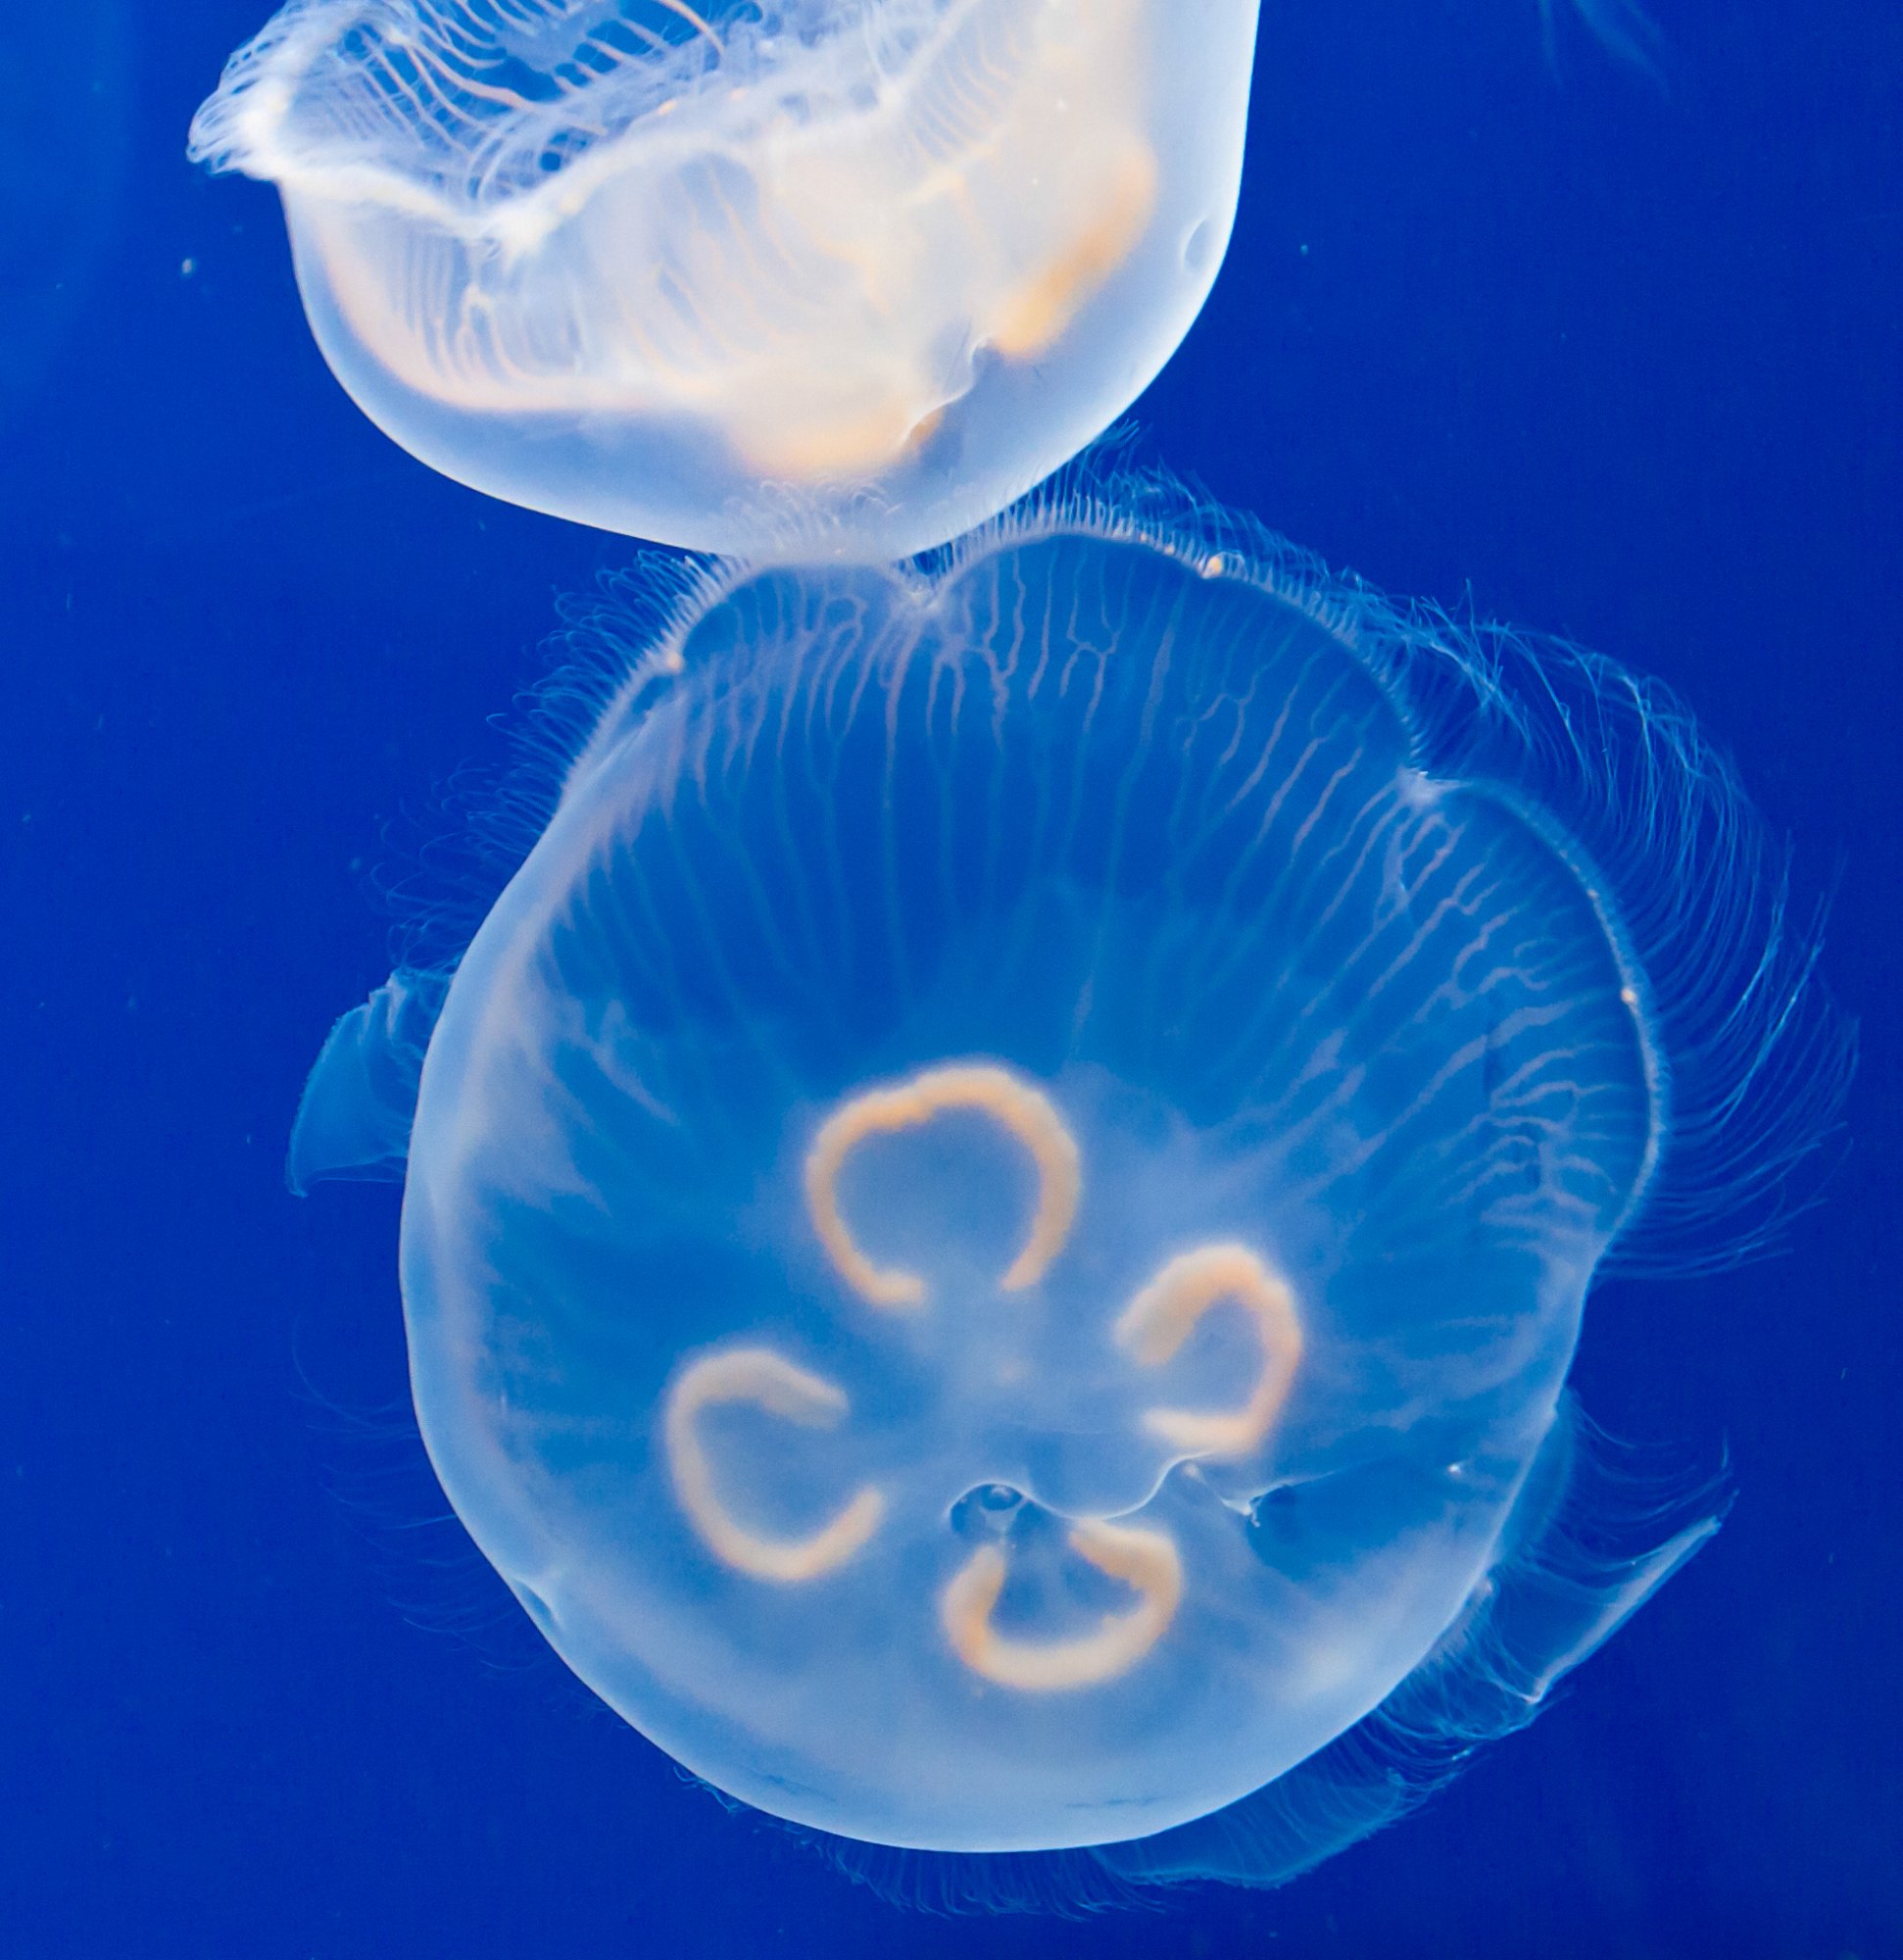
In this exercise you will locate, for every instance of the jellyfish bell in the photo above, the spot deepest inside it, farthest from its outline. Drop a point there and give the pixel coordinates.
(820, 275)
(997, 1215)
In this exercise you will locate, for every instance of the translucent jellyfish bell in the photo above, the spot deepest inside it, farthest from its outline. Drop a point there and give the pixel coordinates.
(997, 1215)
(851, 272)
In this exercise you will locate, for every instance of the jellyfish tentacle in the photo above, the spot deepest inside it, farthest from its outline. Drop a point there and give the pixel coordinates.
(767, 1381)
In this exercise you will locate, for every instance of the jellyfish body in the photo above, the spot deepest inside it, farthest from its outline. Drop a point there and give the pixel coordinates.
(832, 275)
(997, 1215)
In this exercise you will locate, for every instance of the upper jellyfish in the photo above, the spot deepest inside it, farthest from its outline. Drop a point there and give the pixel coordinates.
(844, 276)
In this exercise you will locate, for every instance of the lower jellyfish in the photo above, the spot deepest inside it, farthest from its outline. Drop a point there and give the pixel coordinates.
(745, 275)
(997, 1215)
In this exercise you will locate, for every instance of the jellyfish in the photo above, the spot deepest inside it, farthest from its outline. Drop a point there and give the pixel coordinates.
(996, 1215)
(748, 276)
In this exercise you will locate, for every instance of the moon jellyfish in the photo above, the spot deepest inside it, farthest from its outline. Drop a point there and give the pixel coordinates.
(846, 275)
(997, 1214)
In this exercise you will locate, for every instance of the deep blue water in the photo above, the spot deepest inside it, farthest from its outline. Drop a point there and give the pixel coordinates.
(1617, 362)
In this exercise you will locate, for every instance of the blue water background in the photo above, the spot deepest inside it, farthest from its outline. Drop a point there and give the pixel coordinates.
(1615, 361)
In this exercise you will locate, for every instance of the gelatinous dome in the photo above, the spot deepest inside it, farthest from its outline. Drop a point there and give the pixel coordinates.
(997, 1215)
(831, 276)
